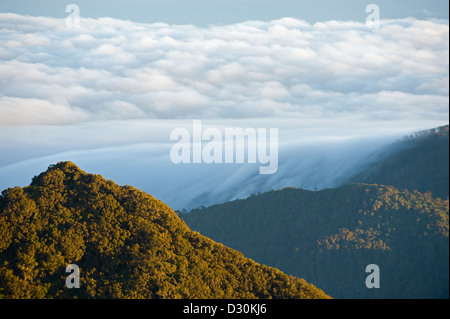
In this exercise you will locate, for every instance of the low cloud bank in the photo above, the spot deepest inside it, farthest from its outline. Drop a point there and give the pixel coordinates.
(111, 69)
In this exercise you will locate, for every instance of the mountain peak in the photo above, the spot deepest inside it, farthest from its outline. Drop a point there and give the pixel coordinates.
(66, 166)
(62, 169)
(126, 243)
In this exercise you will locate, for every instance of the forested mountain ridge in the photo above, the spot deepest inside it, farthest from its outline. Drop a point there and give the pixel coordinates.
(330, 236)
(419, 161)
(126, 243)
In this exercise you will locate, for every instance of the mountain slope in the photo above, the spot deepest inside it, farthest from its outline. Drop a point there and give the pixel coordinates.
(419, 161)
(330, 236)
(126, 243)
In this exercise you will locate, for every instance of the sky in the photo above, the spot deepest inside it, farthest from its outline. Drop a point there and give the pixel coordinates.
(106, 95)
(206, 12)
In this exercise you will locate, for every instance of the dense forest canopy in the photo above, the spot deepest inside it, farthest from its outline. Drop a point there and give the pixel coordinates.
(330, 236)
(126, 243)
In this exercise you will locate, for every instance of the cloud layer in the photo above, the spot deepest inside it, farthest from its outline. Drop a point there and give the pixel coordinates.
(314, 164)
(111, 69)
(107, 95)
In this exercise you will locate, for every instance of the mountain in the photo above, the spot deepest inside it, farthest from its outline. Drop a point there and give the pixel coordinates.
(330, 236)
(419, 161)
(126, 244)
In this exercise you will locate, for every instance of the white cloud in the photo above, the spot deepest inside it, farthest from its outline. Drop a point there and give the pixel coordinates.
(20, 111)
(283, 68)
(107, 95)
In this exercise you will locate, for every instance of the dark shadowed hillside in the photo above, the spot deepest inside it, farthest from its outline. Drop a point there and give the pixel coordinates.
(126, 243)
(419, 161)
(330, 236)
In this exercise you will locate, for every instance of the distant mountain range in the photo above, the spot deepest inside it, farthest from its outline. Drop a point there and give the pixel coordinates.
(330, 236)
(419, 161)
(126, 244)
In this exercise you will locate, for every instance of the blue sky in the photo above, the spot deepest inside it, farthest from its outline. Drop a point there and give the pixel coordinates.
(204, 12)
